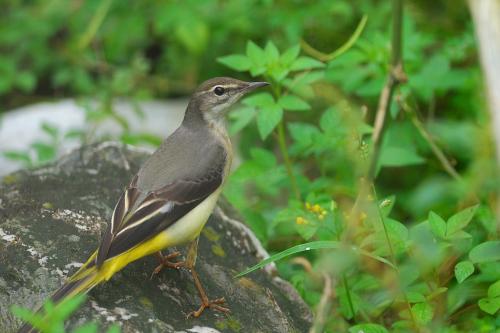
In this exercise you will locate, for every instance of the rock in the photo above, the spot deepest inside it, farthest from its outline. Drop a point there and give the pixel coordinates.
(51, 219)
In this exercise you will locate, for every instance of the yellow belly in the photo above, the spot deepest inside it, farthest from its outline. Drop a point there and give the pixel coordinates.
(184, 230)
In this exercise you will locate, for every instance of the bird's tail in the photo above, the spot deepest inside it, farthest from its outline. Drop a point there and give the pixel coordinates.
(81, 282)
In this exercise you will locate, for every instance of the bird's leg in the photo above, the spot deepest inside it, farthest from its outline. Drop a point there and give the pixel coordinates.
(165, 262)
(205, 302)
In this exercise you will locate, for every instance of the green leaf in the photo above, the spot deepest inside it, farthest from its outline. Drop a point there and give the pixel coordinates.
(257, 58)
(438, 225)
(414, 297)
(263, 158)
(463, 270)
(267, 119)
(193, 34)
(272, 53)
(460, 220)
(423, 312)
(237, 62)
(293, 103)
(50, 129)
(485, 252)
(141, 138)
(69, 305)
(436, 293)
(25, 314)
(74, 134)
(460, 234)
(260, 100)
(289, 56)
(26, 81)
(254, 53)
(398, 157)
(307, 231)
(114, 329)
(303, 63)
(494, 290)
(489, 305)
(368, 328)
(241, 118)
(21, 156)
(293, 250)
(398, 234)
(45, 152)
(403, 325)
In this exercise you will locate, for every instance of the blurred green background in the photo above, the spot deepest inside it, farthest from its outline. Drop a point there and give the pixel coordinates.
(301, 162)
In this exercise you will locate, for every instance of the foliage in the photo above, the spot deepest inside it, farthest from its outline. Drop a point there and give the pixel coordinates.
(52, 318)
(393, 265)
(417, 250)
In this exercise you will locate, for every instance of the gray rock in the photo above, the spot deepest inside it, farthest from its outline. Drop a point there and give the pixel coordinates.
(51, 220)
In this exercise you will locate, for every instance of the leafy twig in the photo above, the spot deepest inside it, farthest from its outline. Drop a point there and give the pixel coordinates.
(395, 77)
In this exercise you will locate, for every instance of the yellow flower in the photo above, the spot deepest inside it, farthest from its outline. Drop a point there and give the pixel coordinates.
(308, 206)
(316, 208)
(301, 220)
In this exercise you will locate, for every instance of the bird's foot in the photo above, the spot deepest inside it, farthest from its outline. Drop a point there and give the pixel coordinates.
(214, 304)
(165, 262)
(205, 302)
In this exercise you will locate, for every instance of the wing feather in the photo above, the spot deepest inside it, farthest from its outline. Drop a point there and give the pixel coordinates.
(140, 215)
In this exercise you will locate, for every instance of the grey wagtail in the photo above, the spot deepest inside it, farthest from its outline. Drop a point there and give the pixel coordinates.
(171, 197)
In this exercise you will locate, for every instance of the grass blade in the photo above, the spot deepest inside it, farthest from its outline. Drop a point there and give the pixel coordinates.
(288, 252)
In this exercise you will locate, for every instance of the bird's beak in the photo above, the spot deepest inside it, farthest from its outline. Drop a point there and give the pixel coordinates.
(254, 85)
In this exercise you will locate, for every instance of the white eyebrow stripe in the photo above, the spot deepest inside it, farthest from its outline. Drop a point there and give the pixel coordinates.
(231, 85)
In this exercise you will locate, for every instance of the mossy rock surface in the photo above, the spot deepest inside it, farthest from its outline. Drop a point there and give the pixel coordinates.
(51, 220)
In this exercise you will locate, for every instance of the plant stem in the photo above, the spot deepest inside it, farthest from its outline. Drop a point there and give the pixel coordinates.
(348, 294)
(395, 76)
(324, 306)
(286, 158)
(281, 136)
(427, 137)
(94, 24)
(393, 258)
(341, 50)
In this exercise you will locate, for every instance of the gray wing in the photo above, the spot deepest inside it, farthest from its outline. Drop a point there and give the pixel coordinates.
(174, 180)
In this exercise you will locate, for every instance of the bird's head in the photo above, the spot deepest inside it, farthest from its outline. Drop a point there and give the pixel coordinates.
(214, 97)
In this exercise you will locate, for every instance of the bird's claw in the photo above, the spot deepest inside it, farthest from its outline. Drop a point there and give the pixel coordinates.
(165, 262)
(214, 304)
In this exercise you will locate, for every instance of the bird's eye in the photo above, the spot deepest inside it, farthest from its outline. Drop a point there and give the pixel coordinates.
(219, 90)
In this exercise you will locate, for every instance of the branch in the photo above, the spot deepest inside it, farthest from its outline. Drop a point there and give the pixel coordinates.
(395, 77)
(324, 306)
(486, 17)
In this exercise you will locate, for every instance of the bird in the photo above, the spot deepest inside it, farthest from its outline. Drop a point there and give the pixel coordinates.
(169, 200)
